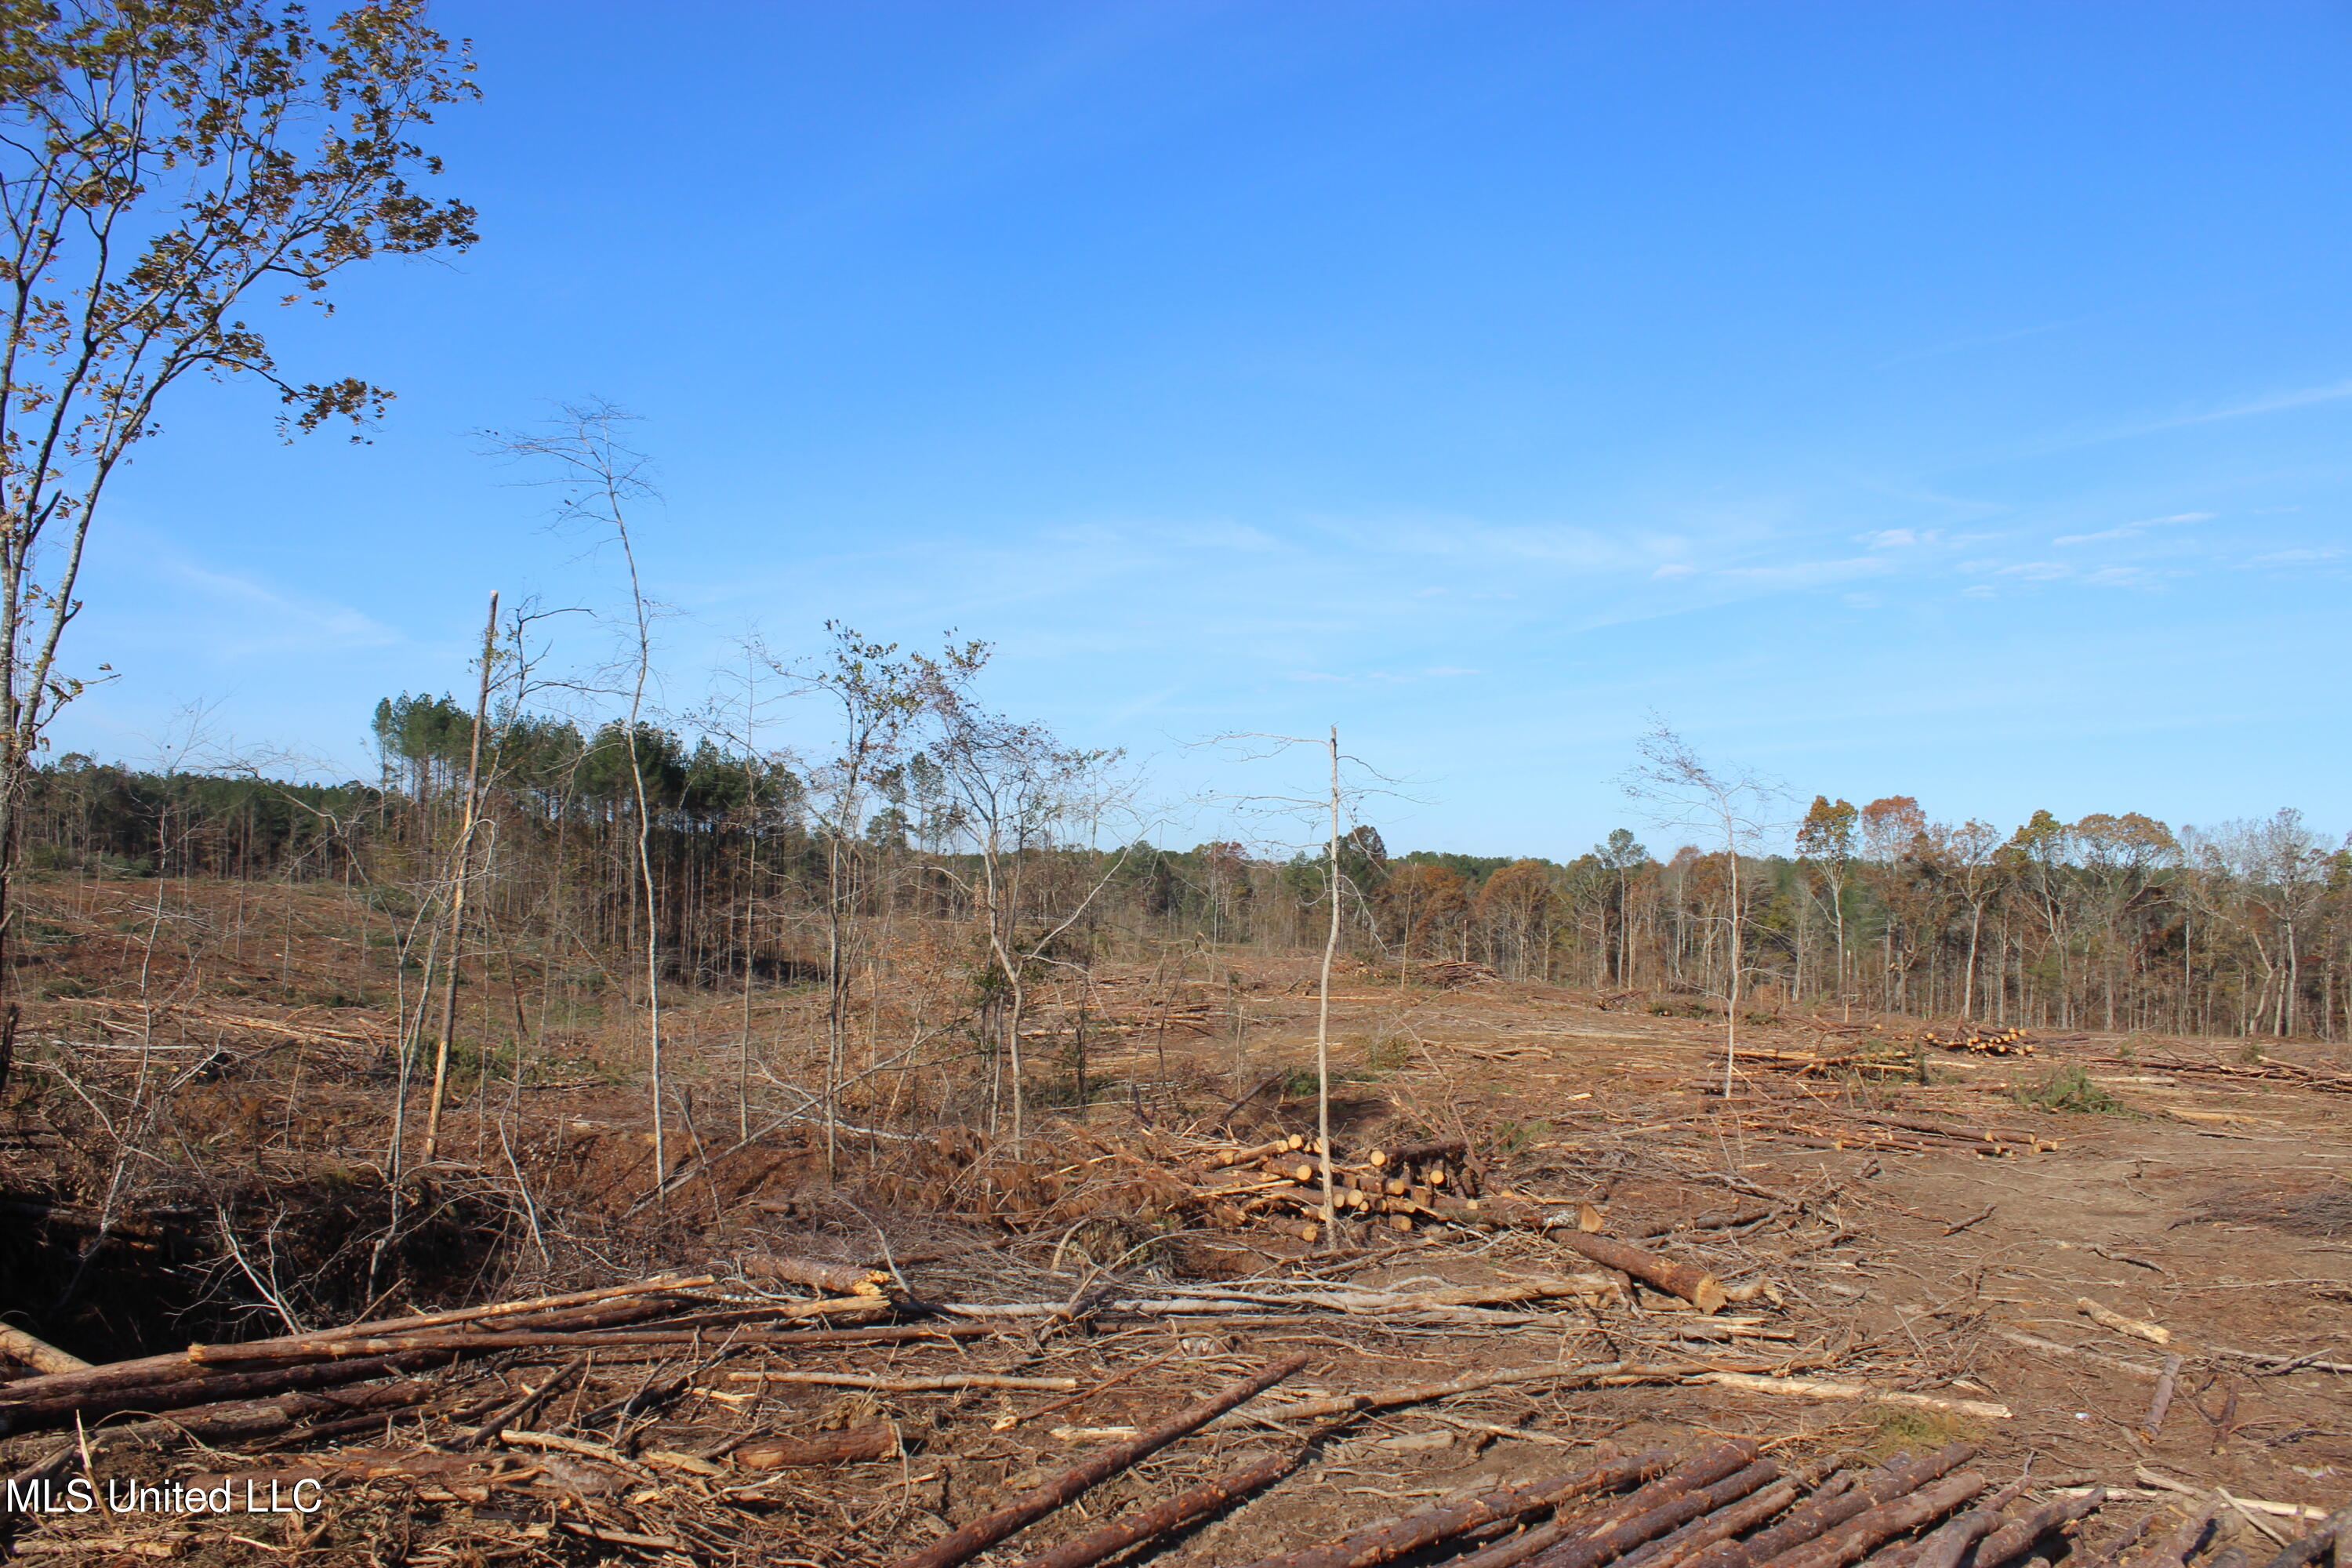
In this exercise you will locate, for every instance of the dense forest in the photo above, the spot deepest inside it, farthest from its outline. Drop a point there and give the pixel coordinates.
(751, 870)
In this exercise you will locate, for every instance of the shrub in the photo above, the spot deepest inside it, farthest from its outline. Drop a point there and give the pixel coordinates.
(2069, 1088)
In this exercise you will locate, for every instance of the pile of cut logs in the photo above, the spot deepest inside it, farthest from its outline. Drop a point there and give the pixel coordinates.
(2001, 1043)
(1434, 1181)
(1723, 1506)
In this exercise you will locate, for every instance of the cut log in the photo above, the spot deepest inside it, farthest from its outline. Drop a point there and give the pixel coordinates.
(1944, 1546)
(1723, 1524)
(1417, 1153)
(284, 1351)
(2108, 1318)
(1587, 1542)
(852, 1446)
(1829, 1507)
(1863, 1534)
(2015, 1536)
(39, 1354)
(2162, 1401)
(1421, 1392)
(910, 1384)
(2337, 1533)
(1394, 1538)
(1692, 1283)
(30, 1415)
(971, 1540)
(841, 1278)
(1158, 1518)
(1613, 1528)
(1811, 1388)
(2173, 1550)
(246, 1421)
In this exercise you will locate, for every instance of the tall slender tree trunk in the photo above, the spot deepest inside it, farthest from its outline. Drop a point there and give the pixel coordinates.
(462, 879)
(1323, 1008)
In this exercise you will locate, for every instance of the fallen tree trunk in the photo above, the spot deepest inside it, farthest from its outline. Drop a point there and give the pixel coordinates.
(2016, 1535)
(972, 1538)
(36, 1354)
(1158, 1518)
(1723, 1524)
(524, 1339)
(245, 1421)
(29, 1414)
(1690, 1282)
(1859, 1536)
(1394, 1538)
(1944, 1546)
(1825, 1511)
(921, 1383)
(841, 1278)
(852, 1446)
(1585, 1544)
(1419, 1393)
(2336, 1532)
(1814, 1388)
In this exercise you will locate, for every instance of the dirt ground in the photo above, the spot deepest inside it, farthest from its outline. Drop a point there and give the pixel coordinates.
(2217, 1209)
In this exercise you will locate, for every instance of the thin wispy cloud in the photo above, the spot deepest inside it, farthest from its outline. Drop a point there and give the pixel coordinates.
(259, 619)
(2133, 529)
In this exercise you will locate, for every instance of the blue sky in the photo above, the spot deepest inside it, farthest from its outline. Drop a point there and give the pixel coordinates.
(1951, 400)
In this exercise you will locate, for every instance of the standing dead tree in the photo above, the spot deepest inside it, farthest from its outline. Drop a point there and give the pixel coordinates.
(1325, 808)
(460, 880)
(158, 165)
(1681, 791)
(601, 478)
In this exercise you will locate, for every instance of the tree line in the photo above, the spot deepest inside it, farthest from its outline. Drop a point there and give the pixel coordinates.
(931, 814)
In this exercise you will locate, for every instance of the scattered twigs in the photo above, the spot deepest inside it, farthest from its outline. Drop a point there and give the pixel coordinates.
(1421, 1392)
(1158, 1518)
(978, 1536)
(521, 1409)
(2097, 1358)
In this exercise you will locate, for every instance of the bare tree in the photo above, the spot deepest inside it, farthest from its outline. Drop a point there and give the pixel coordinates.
(157, 166)
(601, 478)
(1011, 786)
(880, 695)
(1680, 790)
(461, 878)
